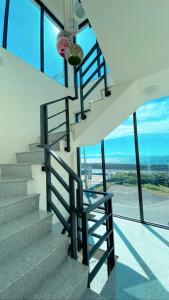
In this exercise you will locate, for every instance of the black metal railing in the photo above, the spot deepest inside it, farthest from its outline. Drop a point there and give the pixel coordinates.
(51, 122)
(54, 166)
(55, 126)
(104, 204)
(100, 71)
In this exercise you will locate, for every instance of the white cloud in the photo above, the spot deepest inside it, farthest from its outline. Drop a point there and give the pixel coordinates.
(153, 111)
(150, 127)
(152, 118)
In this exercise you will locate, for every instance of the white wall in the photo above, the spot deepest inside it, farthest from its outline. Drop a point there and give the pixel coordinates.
(22, 90)
(133, 35)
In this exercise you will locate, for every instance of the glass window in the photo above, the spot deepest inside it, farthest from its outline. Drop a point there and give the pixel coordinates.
(153, 136)
(121, 176)
(54, 63)
(91, 167)
(2, 11)
(24, 31)
(86, 39)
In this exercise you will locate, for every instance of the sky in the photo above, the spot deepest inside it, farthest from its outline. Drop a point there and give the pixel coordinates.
(153, 135)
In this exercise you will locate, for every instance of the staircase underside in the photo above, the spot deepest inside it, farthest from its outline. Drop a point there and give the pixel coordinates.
(132, 35)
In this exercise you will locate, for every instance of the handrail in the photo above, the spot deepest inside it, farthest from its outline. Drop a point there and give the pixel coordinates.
(82, 70)
(87, 56)
(75, 204)
(66, 167)
(106, 220)
(44, 122)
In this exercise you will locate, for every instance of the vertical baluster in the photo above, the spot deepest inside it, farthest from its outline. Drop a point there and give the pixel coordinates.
(107, 92)
(48, 178)
(79, 203)
(67, 148)
(44, 125)
(73, 218)
(83, 116)
(109, 226)
(85, 260)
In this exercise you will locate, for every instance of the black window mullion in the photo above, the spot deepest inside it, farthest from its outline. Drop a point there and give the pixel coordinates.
(138, 168)
(5, 31)
(42, 39)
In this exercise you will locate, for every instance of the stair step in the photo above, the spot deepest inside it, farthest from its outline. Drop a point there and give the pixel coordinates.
(32, 157)
(15, 207)
(12, 186)
(90, 295)
(16, 170)
(68, 282)
(34, 147)
(21, 232)
(31, 266)
(55, 136)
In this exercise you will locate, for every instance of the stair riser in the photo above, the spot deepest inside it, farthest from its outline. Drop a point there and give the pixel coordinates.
(32, 158)
(13, 188)
(55, 136)
(33, 279)
(24, 237)
(16, 171)
(79, 290)
(16, 210)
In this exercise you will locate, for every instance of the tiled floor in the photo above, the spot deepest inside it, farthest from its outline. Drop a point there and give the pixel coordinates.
(142, 269)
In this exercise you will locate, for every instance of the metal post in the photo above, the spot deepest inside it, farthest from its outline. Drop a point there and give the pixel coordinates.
(44, 125)
(98, 61)
(76, 83)
(67, 148)
(103, 166)
(109, 226)
(6, 17)
(107, 92)
(48, 179)
(66, 73)
(73, 219)
(85, 259)
(138, 168)
(83, 116)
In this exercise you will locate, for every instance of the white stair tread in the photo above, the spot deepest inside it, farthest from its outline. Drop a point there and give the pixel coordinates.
(10, 200)
(10, 228)
(24, 261)
(63, 282)
(31, 151)
(15, 164)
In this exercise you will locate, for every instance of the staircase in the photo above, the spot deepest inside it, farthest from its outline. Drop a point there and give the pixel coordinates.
(34, 261)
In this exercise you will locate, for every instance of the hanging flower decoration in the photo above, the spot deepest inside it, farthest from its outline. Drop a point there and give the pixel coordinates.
(65, 46)
(74, 54)
(63, 40)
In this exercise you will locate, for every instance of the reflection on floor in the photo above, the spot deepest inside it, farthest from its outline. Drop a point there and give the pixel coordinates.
(142, 269)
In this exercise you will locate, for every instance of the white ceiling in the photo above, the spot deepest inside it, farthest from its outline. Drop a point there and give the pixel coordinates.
(133, 35)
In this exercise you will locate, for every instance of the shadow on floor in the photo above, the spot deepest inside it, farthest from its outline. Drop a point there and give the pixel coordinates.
(156, 234)
(139, 259)
(122, 278)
